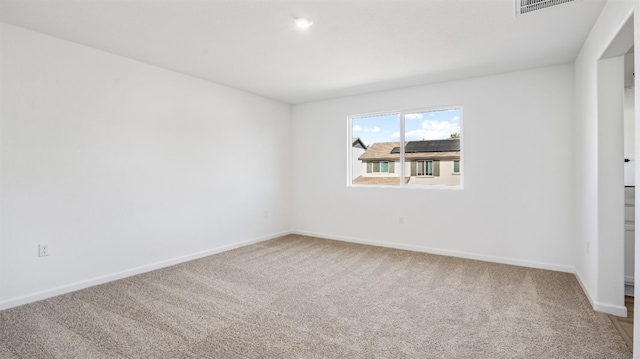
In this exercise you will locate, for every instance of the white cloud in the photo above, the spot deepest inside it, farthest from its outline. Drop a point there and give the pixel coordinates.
(431, 130)
(418, 135)
(455, 119)
(357, 128)
(374, 129)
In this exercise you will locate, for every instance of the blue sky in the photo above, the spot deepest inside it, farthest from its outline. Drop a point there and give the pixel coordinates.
(428, 125)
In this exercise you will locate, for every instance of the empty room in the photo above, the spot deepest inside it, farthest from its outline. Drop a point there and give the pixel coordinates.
(317, 179)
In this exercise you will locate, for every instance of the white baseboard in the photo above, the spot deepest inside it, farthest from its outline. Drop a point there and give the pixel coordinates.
(33, 297)
(617, 310)
(444, 252)
(584, 289)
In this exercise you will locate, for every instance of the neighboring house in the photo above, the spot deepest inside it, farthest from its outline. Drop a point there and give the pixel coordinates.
(433, 162)
(358, 148)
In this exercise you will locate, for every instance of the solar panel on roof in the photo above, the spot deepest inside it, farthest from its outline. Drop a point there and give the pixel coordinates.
(430, 146)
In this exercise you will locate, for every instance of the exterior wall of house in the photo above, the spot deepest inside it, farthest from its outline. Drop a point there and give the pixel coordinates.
(446, 177)
(396, 171)
(358, 168)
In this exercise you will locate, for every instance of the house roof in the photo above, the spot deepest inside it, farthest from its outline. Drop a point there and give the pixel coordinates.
(357, 142)
(447, 145)
(414, 150)
(380, 151)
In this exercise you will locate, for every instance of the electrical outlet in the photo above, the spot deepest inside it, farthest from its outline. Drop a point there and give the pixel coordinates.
(43, 249)
(401, 220)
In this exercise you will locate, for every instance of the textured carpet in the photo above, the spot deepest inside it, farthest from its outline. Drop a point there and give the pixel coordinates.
(302, 297)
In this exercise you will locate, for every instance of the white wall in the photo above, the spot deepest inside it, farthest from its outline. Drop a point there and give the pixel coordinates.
(592, 266)
(124, 167)
(610, 164)
(517, 204)
(629, 136)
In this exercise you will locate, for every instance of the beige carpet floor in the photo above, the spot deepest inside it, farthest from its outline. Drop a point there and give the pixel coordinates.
(302, 297)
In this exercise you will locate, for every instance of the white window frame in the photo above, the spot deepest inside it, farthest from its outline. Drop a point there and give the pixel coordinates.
(403, 162)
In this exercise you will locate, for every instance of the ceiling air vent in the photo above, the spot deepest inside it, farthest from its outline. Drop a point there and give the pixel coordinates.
(527, 6)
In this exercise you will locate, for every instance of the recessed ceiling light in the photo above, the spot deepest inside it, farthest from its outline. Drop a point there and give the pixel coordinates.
(303, 22)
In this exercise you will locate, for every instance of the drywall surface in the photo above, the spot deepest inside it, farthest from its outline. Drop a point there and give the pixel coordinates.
(517, 202)
(590, 267)
(611, 181)
(629, 136)
(123, 167)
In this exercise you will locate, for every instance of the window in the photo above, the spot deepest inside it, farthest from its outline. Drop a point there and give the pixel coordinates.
(425, 168)
(381, 167)
(372, 162)
(406, 148)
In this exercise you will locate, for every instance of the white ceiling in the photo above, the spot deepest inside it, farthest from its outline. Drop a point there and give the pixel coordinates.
(354, 46)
